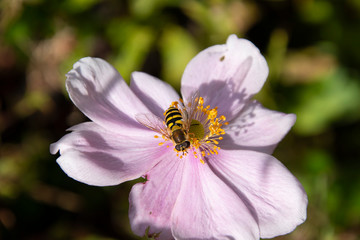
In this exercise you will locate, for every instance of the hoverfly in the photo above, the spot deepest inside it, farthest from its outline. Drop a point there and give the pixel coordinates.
(174, 122)
(174, 129)
(178, 120)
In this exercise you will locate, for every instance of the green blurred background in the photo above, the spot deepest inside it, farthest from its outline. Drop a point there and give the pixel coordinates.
(313, 51)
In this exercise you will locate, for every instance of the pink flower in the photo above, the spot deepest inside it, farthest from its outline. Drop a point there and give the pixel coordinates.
(225, 185)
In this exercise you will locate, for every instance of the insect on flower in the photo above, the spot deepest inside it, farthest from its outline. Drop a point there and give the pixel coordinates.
(206, 157)
(190, 126)
(175, 127)
(174, 122)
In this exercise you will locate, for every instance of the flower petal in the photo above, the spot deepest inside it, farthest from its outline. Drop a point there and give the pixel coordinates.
(95, 156)
(257, 128)
(226, 75)
(209, 209)
(271, 191)
(157, 94)
(99, 91)
(152, 202)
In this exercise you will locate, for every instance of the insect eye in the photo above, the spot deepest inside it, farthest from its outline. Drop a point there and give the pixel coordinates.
(178, 147)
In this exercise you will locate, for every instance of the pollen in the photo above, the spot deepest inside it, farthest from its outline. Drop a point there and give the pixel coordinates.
(174, 104)
(205, 129)
(193, 128)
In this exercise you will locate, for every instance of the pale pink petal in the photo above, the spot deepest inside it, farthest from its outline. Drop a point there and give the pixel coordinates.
(95, 156)
(152, 202)
(226, 75)
(207, 208)
(270, 190)
(99, 91)
(157, 94)
(257, 128)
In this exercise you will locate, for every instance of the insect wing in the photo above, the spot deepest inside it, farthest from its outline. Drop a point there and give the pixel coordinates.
(152, 122)
(192, 107)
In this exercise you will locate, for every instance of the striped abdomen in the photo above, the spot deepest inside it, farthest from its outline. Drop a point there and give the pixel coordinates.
(173, 119)
(174, 122)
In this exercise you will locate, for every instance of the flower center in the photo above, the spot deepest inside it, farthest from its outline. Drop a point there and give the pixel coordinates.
(195, 128)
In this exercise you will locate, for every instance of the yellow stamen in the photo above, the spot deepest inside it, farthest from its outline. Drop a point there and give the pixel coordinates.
(174, 104)
(202, 128)
(201, 101)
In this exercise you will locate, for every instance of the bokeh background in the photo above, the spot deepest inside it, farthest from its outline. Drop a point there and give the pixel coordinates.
(313, 51)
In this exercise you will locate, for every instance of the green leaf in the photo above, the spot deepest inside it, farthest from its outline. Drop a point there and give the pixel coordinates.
(177, 49)
(335, 97)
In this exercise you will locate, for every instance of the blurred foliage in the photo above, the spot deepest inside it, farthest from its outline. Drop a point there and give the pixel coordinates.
(312, 48)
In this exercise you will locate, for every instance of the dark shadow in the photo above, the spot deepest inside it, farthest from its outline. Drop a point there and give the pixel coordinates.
(233, 101)
(240, 126)
(226, 94)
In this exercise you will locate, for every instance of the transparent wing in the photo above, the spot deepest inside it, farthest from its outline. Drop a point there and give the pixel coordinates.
(152, 122)
(191, 107)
